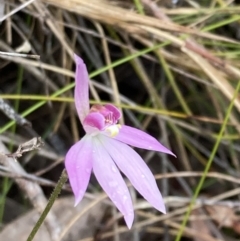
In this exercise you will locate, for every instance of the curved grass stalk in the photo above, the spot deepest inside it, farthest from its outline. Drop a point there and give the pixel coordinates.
(207, 168)
(95, 73)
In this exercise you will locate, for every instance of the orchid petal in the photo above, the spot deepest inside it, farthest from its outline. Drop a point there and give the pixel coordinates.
(111, 181)
(78, 163)
(140, 139)
(81, 94)
(136, 170)
(94, 121)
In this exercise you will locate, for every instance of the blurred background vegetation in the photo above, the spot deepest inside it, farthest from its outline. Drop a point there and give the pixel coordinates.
(173, 67)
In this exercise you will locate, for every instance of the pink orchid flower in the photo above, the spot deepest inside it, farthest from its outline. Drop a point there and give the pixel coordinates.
(104, 149)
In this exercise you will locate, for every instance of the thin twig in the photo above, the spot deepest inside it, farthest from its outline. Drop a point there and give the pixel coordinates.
(16, 10)
(31, 56)
(31, 190)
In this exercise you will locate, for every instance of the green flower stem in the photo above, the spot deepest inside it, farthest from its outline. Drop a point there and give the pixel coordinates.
(63, 178)
(201, 182)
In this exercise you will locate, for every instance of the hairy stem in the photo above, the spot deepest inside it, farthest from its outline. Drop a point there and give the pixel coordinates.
(63, 178)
